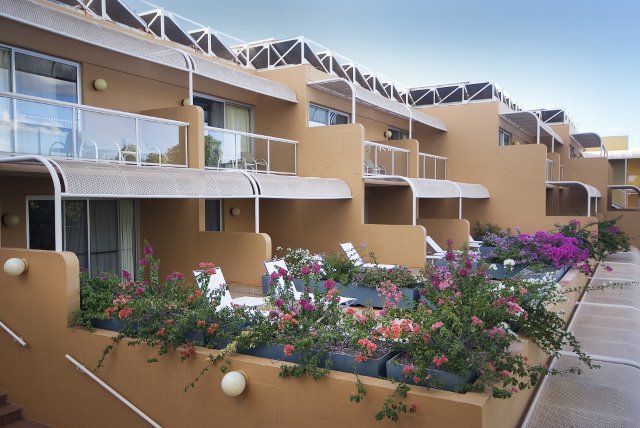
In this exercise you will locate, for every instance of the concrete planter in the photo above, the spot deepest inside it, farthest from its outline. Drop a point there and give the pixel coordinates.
(449, 381)
(374, 367)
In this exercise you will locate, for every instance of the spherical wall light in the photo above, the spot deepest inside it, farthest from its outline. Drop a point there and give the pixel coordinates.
(15, 266)
(10, 220)
(100, 85)
(234, 383)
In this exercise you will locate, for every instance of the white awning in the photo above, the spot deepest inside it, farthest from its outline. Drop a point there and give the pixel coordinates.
(94, 32)
(592, 192)
(429, 188)
(345, 89)
(293, 187)
(529, 123)
(588, 140)
(111, 180)
(473, 191)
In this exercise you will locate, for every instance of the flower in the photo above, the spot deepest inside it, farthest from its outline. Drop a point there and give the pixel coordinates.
(436, 325)
(289, 350)
(148, 250)
(201, 323)
(476, 321)
(212, 328)
(509, 262)
(161, 332)
(438, 361)
(125, 312)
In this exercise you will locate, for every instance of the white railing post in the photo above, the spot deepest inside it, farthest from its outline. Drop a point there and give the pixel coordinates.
(74, 132)
(445, 168)
(82, 369)
(268, 156)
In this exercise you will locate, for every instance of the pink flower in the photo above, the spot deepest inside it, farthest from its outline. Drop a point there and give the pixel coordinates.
(505, 373)
(476, 321)
(315, 268)
(125, 312)
(289, 350)
(608, 268)
(304, 271)
(408, 369)
(436, 325)
(438, 361)
(148, 250)
(329, 284)
(413, 407)
(126, 275)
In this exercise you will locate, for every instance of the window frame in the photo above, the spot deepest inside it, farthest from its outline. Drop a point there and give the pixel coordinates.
(329, 111)
(220, 214)
(501, 133)
(403, 133)
(225, 101)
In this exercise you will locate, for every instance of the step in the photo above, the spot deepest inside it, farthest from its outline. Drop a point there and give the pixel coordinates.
(24, 423)
(9, 413)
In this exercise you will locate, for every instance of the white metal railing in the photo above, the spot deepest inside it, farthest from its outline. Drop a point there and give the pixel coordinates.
(381, 159)
(11, 333)
(82, 369)
(33, 125)
(561, 171)
(225, 148)
(549, 173)
(427, 160)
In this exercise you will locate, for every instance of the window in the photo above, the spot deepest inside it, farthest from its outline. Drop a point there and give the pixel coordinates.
(102, 233)
(321, 116)
(213, 215)
(504, 138)
(37, 127)
(397, 134)
(572, 151)
(223, 148)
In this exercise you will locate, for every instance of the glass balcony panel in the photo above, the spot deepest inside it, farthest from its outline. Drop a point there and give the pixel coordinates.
(106, 136)
(161, 143)
(43, 129)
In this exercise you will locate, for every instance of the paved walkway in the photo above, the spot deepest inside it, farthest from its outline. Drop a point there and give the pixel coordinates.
(607, 323)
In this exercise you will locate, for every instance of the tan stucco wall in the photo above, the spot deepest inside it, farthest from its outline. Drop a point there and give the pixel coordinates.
(171, 227)
(441, 230)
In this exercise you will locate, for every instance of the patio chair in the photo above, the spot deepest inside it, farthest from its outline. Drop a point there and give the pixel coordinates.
(253, 163)
(434, 251)
(274, 265)
(217, 280)
(352, 254)
(374, 169)
(473, 243)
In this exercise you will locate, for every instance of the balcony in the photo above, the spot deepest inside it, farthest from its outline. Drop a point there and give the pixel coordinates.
(31, 125)
(432, 166)
(225, 148)
(381, 159)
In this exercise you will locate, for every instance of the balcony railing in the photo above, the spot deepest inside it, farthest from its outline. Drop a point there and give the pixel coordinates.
(225, 148)
(32, 125)
(549, 172)
(432, 166)
(561, 172)
(381, 159)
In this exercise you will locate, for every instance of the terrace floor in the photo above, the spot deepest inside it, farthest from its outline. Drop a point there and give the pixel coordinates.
(606, 322)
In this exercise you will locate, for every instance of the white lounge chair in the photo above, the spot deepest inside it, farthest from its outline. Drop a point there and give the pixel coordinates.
(434, 251)
(275, 265)
(217, 280)
(352, 254)
(473, 243)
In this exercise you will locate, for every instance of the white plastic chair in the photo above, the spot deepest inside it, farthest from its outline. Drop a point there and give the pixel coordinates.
(352, 254)
(473, 243)
(274, 265)
(217, 280)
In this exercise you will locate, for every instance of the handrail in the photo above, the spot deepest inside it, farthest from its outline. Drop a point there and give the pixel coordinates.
(15, 337)
(386, 147)
(82, 369)
(249, 134)
(90, 108)
(436, 158)
(429, 155)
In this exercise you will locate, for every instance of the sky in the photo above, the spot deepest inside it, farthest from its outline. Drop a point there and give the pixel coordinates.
(580, 55)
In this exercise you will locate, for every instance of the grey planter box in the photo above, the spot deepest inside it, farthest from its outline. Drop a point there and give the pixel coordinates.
(498, 271)
(369, 296)
(111, 324)
(450, 381)
(374, 367)
(557, 274)
(272, 352)
(365, 295)
(486, 251)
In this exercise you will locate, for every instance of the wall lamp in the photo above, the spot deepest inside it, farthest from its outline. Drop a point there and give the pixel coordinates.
(235, 211)
(234, 383)
(100, 85)
(388, 134)
(16, 266)
(10, 220)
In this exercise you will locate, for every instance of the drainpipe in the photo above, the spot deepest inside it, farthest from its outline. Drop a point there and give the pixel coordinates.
(410, 111)
(189, 62)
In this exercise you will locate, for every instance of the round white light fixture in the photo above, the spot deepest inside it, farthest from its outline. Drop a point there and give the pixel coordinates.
(100, 85)
(187, 102)
(235, 211)
(234, 383)
(388, 134)
(10, 220)
(15, 266)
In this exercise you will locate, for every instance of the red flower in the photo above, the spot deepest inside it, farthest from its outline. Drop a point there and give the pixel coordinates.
(169, 322)
(212, 328)
(125, 312)
(289, 350)
(201, 323)
(161, 332)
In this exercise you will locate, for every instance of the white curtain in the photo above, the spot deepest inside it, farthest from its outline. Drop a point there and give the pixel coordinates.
(126, 220)
(75, 230)
(103, 220)
(238, 118)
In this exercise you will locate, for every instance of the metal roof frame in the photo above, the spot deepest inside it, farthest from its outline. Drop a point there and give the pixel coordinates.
(357, 94)
(529, 123)
(592, 192)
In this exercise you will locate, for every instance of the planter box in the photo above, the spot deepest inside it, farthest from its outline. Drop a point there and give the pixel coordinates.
(365, 295)
(450, 381)
(557, 274)
(497, 270)
(272, 352)
(369, 296)
(486, 251)
(111, 324)
(372, 367)
(197, 338)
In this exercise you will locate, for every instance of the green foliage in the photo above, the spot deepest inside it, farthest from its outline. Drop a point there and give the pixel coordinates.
(480, 230)
(339, 268)
(96, 294)
(212, 151)
(400, 276)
